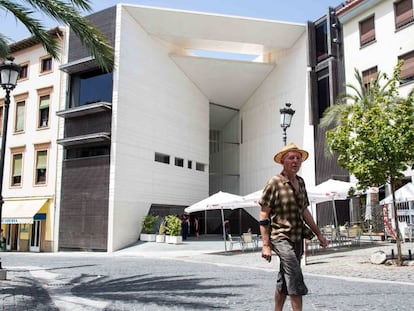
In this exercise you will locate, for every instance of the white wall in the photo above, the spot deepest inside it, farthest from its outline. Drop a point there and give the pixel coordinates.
(155, 109)
(262, 134)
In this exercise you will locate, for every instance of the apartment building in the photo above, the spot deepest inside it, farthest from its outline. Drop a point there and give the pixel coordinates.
(31, 150)
(377, 34)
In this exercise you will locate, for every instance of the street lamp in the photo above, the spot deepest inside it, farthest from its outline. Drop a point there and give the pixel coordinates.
(286, 114)
(9, 72)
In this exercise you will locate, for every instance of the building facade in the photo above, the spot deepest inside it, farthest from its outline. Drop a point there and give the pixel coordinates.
(28, 216)
(168, 124)
(377, 34)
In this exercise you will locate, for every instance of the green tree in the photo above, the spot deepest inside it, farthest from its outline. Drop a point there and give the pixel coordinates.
(65, 12)
(374, 136)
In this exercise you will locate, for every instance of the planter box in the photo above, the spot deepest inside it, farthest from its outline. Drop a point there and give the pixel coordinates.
(147, 237)
(160, 238)
(173, 239)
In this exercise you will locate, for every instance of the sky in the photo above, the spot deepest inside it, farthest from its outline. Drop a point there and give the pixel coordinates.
(297, 11)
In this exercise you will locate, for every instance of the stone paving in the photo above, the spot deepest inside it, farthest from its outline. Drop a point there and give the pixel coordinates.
(347, 263)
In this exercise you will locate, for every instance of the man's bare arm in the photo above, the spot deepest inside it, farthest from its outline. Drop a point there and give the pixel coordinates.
(264, 222)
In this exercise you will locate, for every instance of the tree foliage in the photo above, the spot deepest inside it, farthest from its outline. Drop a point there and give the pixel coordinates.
(374, 138)
(372, 131)
(65, 12)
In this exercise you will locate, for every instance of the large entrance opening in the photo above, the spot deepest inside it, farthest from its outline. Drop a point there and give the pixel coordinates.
(224, 167)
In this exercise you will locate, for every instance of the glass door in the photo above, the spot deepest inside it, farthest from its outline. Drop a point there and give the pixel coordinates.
(35, 237)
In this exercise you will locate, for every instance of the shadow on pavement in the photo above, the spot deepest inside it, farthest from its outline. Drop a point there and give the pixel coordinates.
(163, 291)
(25, 293)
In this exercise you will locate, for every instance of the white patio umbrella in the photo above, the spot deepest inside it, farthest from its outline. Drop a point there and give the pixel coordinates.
(250, 203)
(330, 190)
(403, 194)
(220, 200)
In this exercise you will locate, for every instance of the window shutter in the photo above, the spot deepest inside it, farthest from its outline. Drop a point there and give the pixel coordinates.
(20, 116)
(44, 102)
(407, 70)
(367, 30)
(17, 165)
(41, 159)
(369, 75)
(403, 13)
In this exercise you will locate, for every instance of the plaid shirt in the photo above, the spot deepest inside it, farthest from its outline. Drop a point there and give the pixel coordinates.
(287, 206)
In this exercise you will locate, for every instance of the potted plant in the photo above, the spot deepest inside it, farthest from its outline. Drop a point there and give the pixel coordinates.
(160, 238)
(173, 230)
(148, 228)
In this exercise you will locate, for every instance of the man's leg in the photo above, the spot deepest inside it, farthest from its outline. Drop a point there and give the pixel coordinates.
(296, 302)
(279, 300)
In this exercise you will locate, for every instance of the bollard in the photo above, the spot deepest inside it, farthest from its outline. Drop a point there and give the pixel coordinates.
(392, 254)
(409, 254)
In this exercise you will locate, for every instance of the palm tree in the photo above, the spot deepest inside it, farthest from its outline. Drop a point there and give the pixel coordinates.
(65, 12)
(361, 94)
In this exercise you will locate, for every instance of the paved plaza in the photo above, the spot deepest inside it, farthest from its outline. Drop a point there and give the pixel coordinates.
(200, 275)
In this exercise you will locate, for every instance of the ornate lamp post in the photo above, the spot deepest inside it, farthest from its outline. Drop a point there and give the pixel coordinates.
(9, 72)
(286, 114)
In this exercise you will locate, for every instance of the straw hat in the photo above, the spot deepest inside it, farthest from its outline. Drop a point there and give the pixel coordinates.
(291, 147)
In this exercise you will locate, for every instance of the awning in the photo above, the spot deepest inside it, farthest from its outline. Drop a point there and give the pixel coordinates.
(21, 211)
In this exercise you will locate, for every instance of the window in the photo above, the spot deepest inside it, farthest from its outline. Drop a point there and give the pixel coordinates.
(44, 111)
(214, 137)
(44, 104)
(163, 158)
(190, 164)
(41, 167)
(369, 75)
(19, 120)
(46, 64)
(90, 87)
(24, 71)
(87, 151)
(323, 91)
(179, 162)
(367, 31)
(17, 167)
(407, 69)
(321, 31)
(200, 167)
(403, 11)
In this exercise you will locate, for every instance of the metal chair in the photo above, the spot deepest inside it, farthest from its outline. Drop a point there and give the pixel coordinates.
(233, 240)
(247, 239)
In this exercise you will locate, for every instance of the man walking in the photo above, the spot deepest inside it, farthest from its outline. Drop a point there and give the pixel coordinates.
(284, 222)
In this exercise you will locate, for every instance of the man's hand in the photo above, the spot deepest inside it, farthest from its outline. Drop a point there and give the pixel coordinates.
(322, 241)
(267, 252)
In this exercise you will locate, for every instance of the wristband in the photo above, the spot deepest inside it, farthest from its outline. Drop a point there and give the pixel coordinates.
(264, 222)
